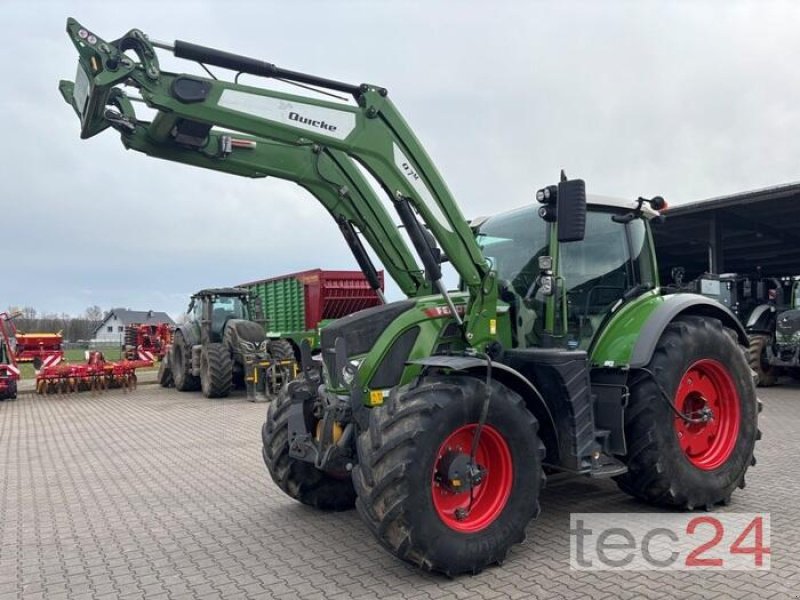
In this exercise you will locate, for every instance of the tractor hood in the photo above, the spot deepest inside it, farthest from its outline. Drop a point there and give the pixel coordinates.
(361, 330)
(787, 330)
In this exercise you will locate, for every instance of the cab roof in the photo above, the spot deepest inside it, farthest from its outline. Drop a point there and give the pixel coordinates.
(592, 200)
(222, 292)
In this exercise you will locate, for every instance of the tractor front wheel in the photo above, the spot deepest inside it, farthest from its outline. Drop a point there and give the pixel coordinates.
(296, 478)
(691, 420)
(216, 371)
(423, 496)
(767, 374)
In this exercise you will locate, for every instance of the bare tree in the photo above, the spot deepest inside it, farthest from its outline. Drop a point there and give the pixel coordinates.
(95, 315)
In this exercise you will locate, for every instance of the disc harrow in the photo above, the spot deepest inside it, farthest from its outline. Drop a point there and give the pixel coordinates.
(96, 375)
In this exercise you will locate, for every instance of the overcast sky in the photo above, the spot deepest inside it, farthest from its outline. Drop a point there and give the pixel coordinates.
(685, 100)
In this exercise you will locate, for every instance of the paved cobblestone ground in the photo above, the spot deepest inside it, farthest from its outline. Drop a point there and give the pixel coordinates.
(163, 495)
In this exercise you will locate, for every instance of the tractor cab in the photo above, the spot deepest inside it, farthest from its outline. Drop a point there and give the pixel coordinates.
(593, 276)
(211, 309)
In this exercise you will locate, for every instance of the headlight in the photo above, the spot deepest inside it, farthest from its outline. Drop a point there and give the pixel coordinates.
(349, 372)
(248, 346)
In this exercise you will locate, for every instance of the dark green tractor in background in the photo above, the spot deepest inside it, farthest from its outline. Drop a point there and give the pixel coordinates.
(439, 416)
(209, 351)
(780, 348)
(763, 305)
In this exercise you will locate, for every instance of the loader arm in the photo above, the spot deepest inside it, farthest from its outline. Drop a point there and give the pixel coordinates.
(371, 132)
(327, 174)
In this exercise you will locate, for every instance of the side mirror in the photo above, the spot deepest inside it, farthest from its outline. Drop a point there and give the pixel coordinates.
(571, 210)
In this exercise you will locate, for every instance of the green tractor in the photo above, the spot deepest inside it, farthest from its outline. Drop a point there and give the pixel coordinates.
(439, 416)
(783, 348)
(211, 350)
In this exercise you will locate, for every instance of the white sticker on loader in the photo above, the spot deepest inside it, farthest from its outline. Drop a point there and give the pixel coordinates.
(318, 119)
(408, 169)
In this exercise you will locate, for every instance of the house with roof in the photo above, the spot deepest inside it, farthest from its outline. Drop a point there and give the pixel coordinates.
(112, 329)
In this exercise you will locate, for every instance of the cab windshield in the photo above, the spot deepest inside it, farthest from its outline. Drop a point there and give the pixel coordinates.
(224, 308)
(230, 306)
(595, 273)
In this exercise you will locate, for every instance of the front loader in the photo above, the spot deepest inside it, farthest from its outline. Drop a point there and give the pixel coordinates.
(439, 416)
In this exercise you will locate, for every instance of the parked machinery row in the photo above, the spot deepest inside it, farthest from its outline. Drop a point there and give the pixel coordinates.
(251, 336)
(769, 309)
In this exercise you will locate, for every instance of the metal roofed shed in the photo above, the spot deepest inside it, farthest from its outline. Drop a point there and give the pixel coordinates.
(739, 233)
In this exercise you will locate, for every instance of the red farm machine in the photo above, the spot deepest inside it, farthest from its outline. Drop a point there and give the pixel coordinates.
(146, 341)
(9, 373)
(40, 349)
(96, 375)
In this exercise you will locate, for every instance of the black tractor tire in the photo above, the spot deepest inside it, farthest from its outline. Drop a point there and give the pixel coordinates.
(767, 375)
(298, 479)
(181, 363)
(694, 358)
(398, 459)
(37, 363)
(216, 371)
(11, 393)
(794, 373)
(165, 379)
(281, 349)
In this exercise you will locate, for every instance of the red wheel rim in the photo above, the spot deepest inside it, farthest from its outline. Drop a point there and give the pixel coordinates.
(489, 496)
(707, 388)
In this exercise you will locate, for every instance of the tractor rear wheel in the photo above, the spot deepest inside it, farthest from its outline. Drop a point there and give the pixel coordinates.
(692, 418)
(767, 375)
(299, 479)
(181, 363)
(216, 371)
(417, 489)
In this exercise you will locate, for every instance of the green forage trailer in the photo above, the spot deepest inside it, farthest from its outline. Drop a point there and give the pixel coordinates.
(296, 306)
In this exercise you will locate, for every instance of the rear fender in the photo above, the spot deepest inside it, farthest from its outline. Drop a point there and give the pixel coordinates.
(762, 319)
(677, 306)
(513, 380)
(189, 334)
(630, 336)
